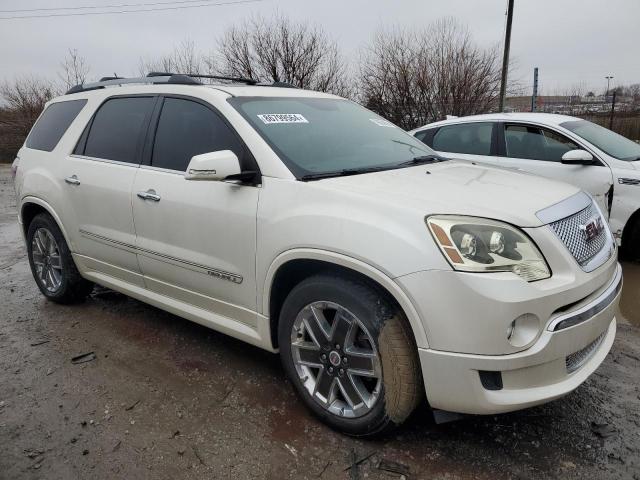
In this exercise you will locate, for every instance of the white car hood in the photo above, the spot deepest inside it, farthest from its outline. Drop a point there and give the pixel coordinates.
(460, 188)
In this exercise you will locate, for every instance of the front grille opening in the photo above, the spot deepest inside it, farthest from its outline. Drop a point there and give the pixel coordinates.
(579, 358)
(569, 232)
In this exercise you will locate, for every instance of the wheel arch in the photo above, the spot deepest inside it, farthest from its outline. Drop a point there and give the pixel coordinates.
(32, 206)
(291, 267)
(632, 223)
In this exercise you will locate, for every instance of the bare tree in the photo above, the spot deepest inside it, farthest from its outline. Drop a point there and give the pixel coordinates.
(182, 59)
(74, 69)
(415, 77)
(23, 100)
(279, 50)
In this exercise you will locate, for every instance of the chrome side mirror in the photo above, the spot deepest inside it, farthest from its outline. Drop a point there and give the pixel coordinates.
(213, 166)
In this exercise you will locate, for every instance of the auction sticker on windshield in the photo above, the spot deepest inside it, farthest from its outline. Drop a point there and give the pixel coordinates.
(282, 118)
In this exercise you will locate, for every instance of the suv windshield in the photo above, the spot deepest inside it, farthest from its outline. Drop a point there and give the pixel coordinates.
(609, 142)
(315, 136)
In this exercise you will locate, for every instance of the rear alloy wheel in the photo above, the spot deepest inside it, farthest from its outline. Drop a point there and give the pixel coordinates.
(46, 259)
(51, 262)
(350, 354)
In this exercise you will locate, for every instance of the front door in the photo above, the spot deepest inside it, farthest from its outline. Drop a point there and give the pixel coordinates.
(539, 150)
(196, 239)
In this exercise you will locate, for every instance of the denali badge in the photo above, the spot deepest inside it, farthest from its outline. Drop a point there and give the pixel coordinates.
(592, 228)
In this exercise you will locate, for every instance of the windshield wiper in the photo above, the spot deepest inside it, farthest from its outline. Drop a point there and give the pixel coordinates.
(343, 173)
(423, 159)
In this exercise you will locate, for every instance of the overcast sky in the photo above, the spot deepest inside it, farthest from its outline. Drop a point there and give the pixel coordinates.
(571, 41)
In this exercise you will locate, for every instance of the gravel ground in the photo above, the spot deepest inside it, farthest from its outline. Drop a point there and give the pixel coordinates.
(166, 398)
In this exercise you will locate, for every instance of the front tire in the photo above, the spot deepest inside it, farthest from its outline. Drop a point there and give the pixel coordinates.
(350, 354)
(51, 262)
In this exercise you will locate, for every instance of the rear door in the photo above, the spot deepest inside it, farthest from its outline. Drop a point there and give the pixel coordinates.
(196, 239)
(538, 150)
(98, 178)
(473, 141)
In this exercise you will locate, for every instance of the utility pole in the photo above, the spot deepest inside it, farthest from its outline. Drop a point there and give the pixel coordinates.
(505, 57)
(613, 107)
(534, 97)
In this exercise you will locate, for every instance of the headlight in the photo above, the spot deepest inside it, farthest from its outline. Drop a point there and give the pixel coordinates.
(473, 244)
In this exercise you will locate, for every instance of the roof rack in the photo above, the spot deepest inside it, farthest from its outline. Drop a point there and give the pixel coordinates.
(167, 77)
(248, 81)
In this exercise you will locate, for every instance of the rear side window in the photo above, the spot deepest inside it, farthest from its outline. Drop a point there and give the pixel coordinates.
(187, 128)
(116, 132)
(471, 138)
(52, 124)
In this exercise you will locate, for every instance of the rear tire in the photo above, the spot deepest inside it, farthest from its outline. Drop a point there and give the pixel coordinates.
(51, 262)
(356, 367)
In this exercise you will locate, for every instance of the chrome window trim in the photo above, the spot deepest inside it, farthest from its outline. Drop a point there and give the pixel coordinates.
(564, 208)
(592, 308)
(105, 160)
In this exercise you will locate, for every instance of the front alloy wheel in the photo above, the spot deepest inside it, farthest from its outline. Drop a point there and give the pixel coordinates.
(336, 359)
(349, 352)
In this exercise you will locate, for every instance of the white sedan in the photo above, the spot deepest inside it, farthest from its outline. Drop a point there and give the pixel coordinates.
(597, 160)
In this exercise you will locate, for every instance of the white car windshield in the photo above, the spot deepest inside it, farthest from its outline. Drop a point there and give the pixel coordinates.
(609, 142)
(322, 136)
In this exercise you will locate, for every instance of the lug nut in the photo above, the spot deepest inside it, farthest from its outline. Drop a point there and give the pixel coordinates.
(330, 369)
(344, 360)
(341, 372)
(323, 357)
(337, 346)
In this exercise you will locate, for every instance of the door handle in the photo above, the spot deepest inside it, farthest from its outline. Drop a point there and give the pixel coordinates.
(72, 180)
(149, 195)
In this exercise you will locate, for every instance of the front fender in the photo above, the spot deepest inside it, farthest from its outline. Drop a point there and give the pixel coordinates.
(353, 264)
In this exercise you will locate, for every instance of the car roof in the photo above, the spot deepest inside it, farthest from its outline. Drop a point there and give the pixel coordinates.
(544, 118)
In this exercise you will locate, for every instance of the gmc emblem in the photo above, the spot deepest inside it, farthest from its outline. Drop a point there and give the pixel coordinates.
(592, 228)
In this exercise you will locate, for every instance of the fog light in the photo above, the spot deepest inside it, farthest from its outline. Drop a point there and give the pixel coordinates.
(523, 330)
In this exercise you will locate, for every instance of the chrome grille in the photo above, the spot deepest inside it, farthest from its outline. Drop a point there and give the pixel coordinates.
(568, 230)
(579, 358)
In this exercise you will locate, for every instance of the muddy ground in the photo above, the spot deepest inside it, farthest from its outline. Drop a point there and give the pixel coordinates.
(166, 398)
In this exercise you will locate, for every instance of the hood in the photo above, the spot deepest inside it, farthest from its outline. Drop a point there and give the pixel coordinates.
(460, 188)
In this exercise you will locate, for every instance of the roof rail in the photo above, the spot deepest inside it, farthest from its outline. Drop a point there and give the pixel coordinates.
(156, 79)
(166, 77)
(248, 81)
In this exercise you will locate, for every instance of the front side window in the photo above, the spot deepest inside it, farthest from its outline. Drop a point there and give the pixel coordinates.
(609, 142)
(118, 128)
(324, 135)
(535, 143)
(471, 138)
(52, 124)
(188, 128)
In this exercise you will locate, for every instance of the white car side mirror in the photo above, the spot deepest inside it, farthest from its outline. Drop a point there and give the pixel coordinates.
(577, 157)
(213, 166)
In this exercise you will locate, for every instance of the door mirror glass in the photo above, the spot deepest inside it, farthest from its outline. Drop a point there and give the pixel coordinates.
(213, 166)
(577, 157)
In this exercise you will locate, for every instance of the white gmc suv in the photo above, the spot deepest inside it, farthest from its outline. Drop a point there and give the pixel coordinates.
(303, 223)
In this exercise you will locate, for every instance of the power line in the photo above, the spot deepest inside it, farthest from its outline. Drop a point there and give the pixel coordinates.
(119, 12)
(85, 7)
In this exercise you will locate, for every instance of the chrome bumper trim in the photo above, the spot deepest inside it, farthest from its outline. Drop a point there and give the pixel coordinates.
(592, 308)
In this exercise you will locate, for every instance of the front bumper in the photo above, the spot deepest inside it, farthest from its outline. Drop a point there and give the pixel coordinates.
(570, 348)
